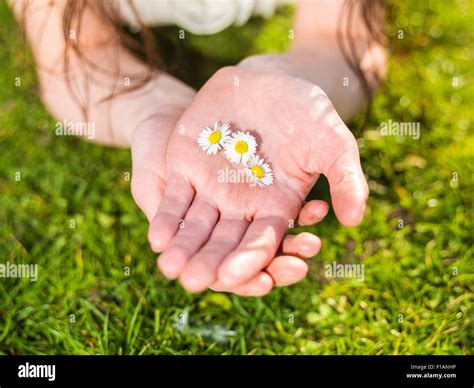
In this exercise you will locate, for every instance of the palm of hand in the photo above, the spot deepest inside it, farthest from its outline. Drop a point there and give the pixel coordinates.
(232, 230)
(282, 140)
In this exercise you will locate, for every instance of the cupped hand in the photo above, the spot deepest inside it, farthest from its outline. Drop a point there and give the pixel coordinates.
(222, 234)
(149, 178)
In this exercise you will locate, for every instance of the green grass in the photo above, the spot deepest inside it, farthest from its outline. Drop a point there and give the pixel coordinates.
(418, 291)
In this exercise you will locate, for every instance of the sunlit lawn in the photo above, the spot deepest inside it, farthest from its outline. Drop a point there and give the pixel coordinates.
(99, 291)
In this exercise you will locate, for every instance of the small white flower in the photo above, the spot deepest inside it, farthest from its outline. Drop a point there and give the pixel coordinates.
(212, 140)
(240, 147)
(259, 172)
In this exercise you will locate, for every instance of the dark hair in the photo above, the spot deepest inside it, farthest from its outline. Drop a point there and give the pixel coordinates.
(144, 46)
(372, 14)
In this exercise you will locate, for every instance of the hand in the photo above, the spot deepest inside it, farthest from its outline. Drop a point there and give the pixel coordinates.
(149, 177)
(149, 145)
(232, 231)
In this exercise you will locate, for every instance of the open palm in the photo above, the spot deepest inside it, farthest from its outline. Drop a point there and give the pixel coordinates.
(221, 232)
(149, 179)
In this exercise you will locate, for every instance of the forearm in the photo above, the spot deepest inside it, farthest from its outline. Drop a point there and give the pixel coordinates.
(315, 55)
(114, 119)
(323, 66)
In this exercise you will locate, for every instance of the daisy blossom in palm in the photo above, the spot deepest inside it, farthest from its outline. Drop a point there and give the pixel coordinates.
(213, 139)
(240, 147)
(259, 172)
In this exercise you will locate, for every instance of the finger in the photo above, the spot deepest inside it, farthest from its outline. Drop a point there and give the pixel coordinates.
(349, 190)
(259, 285)
(284, 270)
(148, 150)
(287, 270)
(201, 270)
(147, 190)
(290, 268)
(304, 245)
(313, 212)
(340, 163)
(173, 207)
(255, 251)
(194, 232)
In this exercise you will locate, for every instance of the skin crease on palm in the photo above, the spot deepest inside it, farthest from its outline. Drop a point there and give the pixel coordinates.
(231, 232)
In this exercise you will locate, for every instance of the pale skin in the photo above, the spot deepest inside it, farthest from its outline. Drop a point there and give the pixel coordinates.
(234, 237)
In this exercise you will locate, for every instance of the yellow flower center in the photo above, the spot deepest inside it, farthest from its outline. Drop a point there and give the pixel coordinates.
(214, 137)
(257, 172)
(241, 147)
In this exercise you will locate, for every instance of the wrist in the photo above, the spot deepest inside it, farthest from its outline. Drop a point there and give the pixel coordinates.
(270, 63)
(163, 99)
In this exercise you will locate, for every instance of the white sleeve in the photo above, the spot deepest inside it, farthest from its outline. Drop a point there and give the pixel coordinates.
(202, 17)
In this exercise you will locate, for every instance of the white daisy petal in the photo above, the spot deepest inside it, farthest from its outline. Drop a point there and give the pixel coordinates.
(240, 147)
(211, 140)
(259, 172)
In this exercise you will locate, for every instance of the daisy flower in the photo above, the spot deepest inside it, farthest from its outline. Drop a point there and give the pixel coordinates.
(240, 147)
(259, 172)
(212, 140)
